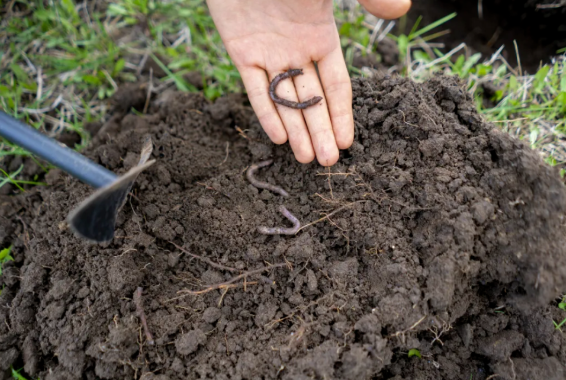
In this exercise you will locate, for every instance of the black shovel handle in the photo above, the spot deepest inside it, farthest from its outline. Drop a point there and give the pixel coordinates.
(55, 153)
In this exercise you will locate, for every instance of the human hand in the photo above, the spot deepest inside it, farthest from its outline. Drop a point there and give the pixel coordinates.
(267, 37)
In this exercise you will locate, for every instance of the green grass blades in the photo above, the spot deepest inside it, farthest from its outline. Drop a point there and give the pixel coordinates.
(92, 52)
(17, 376)
(63, 60)
(417, 36)
(5, 257)
(561, 305)
(414, 352)
(534, 106)
(357, 36)
(11, 178)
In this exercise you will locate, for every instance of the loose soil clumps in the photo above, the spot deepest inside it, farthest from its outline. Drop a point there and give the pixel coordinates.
(434, 232)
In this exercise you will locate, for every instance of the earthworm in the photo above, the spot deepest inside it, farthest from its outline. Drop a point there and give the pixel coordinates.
(139, 308)
(288, 103)
(263, 185)
(282, 230)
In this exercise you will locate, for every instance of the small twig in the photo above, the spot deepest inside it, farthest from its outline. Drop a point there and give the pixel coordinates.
(330, 184)
(141, 314)
(518, 58)
(513, 369)
(39, 85)
(227, 153)
(402, 333)
(213, 189)
(141, 65)
(298, 335)
(229, 283)
(386, 31)
(112, 82)
(263, 185)
(492, 376)
(330, 174)
(329, 215)
(242, 133)
(281, 230)
(551, 6)
(54, 105)
(373, 36)
(149, 89)
(205, 260)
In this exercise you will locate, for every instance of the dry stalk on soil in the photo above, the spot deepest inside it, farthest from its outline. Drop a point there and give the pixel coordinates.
(492, 376)
(139, 308)
(327, 216)
(230, 283)
(298, 335)
(439, 331)
(401, 334)
(204, 259)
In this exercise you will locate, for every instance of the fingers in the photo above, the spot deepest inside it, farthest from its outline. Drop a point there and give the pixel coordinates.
(293, 121)
(338, 92)
(317, 117)
(314, 131)
(257, 85)
(386, 9)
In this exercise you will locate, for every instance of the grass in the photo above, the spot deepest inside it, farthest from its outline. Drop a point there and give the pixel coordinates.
(63, 61)
(10, 178)
(414, 352)
(561, 305)
(5, 257)
(16, 374)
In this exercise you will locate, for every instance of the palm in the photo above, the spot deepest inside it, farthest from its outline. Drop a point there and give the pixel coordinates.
(272, 40)
(267, 37)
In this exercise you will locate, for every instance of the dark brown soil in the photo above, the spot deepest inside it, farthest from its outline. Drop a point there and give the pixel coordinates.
(442, 235)
(537, 26)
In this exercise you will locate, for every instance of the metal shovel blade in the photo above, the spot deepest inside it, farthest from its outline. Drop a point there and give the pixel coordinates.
(95, 218)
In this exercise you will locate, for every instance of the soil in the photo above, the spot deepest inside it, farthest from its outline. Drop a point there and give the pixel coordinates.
(537, 26)
(434, 232)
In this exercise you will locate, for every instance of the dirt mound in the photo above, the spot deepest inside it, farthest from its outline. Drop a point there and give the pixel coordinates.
(434, 232)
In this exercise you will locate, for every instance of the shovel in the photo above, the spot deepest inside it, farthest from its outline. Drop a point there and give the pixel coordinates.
(95, 218)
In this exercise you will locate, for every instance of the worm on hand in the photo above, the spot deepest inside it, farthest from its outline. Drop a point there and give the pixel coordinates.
(288, 103)
(139, 308)
(263, 185)
(282, 230)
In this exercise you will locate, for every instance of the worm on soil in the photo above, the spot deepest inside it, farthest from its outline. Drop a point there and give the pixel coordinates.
(139, 308)
(282, 230)
(288, 103)
(263, 185)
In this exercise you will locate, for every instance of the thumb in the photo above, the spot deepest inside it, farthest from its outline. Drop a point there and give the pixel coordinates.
(386, 9)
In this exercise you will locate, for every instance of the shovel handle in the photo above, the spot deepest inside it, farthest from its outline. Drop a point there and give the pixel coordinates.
(55, 153)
